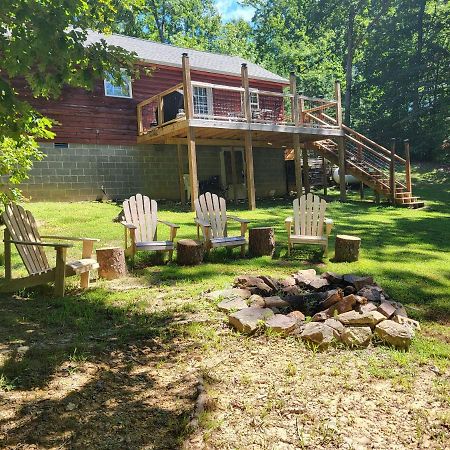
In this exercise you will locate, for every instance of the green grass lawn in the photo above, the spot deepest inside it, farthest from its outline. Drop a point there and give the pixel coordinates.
(406, 251)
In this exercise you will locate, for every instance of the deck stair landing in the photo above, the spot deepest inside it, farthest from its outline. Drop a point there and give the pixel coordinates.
(370, 163)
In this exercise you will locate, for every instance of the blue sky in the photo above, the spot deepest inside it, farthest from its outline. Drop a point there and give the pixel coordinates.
(231, 9)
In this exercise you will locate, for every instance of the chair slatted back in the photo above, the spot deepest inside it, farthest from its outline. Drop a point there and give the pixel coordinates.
(213, 209)
(22, 227)
(309, 215)
(142, 212)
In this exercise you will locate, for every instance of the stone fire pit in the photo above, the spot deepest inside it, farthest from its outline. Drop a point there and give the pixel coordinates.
(320, 309)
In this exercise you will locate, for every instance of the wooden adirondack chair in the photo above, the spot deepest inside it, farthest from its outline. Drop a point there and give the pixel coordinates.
(22, 231)
(141, 221)
(310, 224)
(212, 218)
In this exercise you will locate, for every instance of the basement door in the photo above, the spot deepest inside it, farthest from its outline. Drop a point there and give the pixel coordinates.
(227, 173)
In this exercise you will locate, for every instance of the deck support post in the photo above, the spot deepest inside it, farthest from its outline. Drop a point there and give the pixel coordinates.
(189, 111)
(337, 94)
(296, 117)
(408, 167)
(341, 160)
(324, 176)
(392, 172)
(234, 174)
(306, 169)
(360, 159)
(248, 140)
(181, 173)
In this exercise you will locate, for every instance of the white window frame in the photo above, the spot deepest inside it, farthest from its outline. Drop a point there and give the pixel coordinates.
(127, 79)
(209, 100)
(254, 104)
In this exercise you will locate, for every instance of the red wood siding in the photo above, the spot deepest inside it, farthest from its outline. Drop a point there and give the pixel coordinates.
(93, 118)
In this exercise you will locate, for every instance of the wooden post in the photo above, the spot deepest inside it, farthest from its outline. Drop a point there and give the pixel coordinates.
(324, 176)
(341, 159)
(248, 140)
(408, 167)
(305, 169)
(189, 111)
(8, 270)
(88, 247)
(360, 158)
(392, 171)
(160, 110)
(181, 173)
(139, 121)
(337, 91)
(296, 117)
(234, 174)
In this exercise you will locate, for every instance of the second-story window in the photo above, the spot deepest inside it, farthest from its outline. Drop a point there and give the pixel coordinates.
(254, 100)
(202, 101)
(118, 89)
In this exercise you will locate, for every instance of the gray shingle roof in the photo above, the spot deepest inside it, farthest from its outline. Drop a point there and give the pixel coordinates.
(164, 54)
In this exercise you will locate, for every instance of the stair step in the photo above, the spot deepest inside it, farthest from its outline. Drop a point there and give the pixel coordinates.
(414, 205)
(403, 194)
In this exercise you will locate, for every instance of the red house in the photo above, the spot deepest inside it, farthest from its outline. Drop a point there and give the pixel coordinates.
(201, 121)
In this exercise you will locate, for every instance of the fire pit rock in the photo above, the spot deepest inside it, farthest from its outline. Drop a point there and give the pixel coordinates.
(320, 309)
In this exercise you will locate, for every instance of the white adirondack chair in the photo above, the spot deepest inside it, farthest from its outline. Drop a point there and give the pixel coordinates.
(21, 230)
(310, 224)
(141, 221)
(212, 218)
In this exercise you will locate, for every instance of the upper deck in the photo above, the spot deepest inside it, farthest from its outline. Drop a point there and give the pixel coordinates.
(219, 116)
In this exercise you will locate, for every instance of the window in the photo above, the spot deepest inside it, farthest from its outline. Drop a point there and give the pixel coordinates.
(203, 101)
(254, 100)
(112, 89)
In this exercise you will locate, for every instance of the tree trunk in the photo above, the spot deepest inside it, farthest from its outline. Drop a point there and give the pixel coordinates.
(349, 65)
(261, 241)
(190, 252)
(418, 58)
(347, 248)
(112, 262)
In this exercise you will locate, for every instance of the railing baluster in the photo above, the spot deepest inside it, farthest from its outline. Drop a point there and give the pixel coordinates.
(392, 171)
(408, 167)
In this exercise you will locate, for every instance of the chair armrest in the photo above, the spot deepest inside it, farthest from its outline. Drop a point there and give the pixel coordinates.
(130, 226)
(288, 220)
(202, 223)
(237, 219)
(288, 225)
(40, 244)
(169, 224)
(328, 221)
(68, 238)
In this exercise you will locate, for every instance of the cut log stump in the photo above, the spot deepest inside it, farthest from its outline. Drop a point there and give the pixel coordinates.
(112, 262)
(190, 252)
(346, 248)
(261, 241)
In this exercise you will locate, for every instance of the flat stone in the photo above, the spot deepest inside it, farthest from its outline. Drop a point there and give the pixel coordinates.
(297, 315)
(332, 297)
(333, 278)
(304, 277)
(254, 284)
(291, 291)
(279, 323)
(336, 325)
(367, 307)
(234, 304)
(387, 309)
(407, 321)
(395, 334)
(256, 300)
(318, 334)
(271, 282)
(356, 336)
(275, 302)
(357, 281)
(370, 318)
(319, 283)
(287, 282)
(372, 293)
(346, 304)
(349, 290)
(228, 294)
(247, 320)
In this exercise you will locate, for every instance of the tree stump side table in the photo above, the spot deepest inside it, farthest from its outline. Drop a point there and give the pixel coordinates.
(190, 252)
(346, 248)
(261, 241)
(112, 262)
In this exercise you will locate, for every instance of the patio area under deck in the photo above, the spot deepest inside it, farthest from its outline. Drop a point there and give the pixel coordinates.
(233, 116)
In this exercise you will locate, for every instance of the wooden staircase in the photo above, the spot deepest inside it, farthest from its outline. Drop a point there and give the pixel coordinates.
(374, 165)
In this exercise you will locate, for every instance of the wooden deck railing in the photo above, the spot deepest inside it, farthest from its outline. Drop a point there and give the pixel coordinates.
(226, 103)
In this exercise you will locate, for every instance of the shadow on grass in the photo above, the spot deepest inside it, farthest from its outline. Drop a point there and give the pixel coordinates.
(126, 399)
